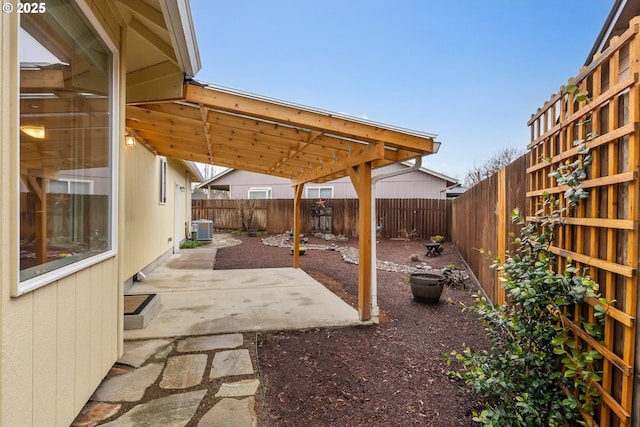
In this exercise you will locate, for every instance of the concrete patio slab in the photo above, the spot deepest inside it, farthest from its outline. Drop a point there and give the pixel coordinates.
(209, 302)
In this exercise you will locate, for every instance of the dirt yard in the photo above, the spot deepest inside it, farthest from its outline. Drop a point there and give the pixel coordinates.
(390, 374)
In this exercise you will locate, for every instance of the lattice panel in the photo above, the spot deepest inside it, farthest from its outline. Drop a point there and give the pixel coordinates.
(602, 233)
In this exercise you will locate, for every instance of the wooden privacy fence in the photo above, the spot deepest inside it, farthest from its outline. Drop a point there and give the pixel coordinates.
(417, 218)
(602, 234)
(481, 222)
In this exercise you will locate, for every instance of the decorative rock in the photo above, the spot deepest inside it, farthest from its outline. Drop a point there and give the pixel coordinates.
(349, 254)
(175, 410)
(239, 388)
(231, 413)
(231, 362)
(208, 343)
(184, 371)
(128, 387)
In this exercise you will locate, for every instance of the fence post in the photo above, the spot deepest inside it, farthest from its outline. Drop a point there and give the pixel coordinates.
(502, 229)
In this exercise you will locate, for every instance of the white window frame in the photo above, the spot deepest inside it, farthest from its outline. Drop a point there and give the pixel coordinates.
(18, 287)
(266, 190)
(70, 181)
(319, 188)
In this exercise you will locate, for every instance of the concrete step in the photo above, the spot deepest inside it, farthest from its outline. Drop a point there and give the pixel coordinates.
(140, 309)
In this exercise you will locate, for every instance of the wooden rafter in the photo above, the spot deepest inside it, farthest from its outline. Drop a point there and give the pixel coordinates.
(204, 112)
(268, 137)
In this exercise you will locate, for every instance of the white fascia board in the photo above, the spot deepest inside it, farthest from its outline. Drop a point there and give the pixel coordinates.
(194, 170)
(177, 15)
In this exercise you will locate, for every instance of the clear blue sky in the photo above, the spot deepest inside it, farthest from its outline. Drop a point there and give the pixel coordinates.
(471, 72)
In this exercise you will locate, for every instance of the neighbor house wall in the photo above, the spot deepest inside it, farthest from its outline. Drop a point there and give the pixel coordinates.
(414, 184)
(59, 341)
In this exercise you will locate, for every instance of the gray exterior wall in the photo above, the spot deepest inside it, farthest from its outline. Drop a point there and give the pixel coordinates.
(415, 184)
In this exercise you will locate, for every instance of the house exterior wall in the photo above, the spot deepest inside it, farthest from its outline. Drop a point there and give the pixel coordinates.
(151, 225)
(60, 340)
(411, 185)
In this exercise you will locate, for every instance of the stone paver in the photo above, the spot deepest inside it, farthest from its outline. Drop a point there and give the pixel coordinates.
(238, 388)
(184, 371)
(231, 413)
(128, 387)
(212, 342)
(138, 352)
(95, 412)
(171, 411)
(231, 362)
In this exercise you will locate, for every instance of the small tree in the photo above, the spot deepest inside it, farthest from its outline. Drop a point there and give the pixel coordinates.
(534, 359)
(246, 212)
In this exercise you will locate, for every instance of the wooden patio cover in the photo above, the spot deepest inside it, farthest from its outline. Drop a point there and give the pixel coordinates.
(223, 127)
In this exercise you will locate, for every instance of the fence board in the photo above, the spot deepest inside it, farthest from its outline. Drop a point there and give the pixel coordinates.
(475, 219)
(421, 218)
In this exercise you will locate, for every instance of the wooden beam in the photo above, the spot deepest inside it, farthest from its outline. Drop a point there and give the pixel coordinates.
(305, 118)
(360, 156)
(207, 130)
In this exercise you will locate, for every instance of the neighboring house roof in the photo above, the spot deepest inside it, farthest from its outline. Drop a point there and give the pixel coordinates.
(615, 24)
(452, 181)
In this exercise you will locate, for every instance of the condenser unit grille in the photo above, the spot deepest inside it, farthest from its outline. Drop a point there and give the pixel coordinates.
(203, 229)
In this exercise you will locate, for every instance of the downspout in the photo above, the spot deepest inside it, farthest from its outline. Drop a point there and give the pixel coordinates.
(375, 310)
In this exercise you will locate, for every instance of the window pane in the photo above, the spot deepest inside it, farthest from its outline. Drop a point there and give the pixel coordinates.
(65, 131)
(326, 193)
(313, 193)
(58, 186)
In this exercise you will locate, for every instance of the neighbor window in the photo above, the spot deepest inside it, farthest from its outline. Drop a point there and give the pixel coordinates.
(66, 133)
(260, 193)
(319, 192)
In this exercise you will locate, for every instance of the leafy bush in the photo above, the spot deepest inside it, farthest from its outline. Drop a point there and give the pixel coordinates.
(535, 363)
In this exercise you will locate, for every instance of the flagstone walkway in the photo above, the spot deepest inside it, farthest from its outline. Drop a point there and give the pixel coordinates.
(207, 381)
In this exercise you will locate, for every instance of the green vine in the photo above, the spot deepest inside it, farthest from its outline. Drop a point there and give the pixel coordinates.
(536, 372)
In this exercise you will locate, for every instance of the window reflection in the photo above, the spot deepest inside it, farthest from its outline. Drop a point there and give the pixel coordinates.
(65, 134)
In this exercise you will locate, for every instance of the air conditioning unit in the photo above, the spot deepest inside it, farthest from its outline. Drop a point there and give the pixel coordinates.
(202, 229)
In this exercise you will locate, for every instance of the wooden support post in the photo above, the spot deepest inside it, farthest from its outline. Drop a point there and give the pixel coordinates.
(297, 197)
(361, 179)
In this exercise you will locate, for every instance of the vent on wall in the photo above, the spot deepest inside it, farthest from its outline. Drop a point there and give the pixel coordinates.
(202, 229)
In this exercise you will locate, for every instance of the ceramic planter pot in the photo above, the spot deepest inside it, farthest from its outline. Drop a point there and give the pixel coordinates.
(426, 287)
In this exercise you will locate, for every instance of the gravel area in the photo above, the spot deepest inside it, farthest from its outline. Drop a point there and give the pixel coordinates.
(389, 374)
